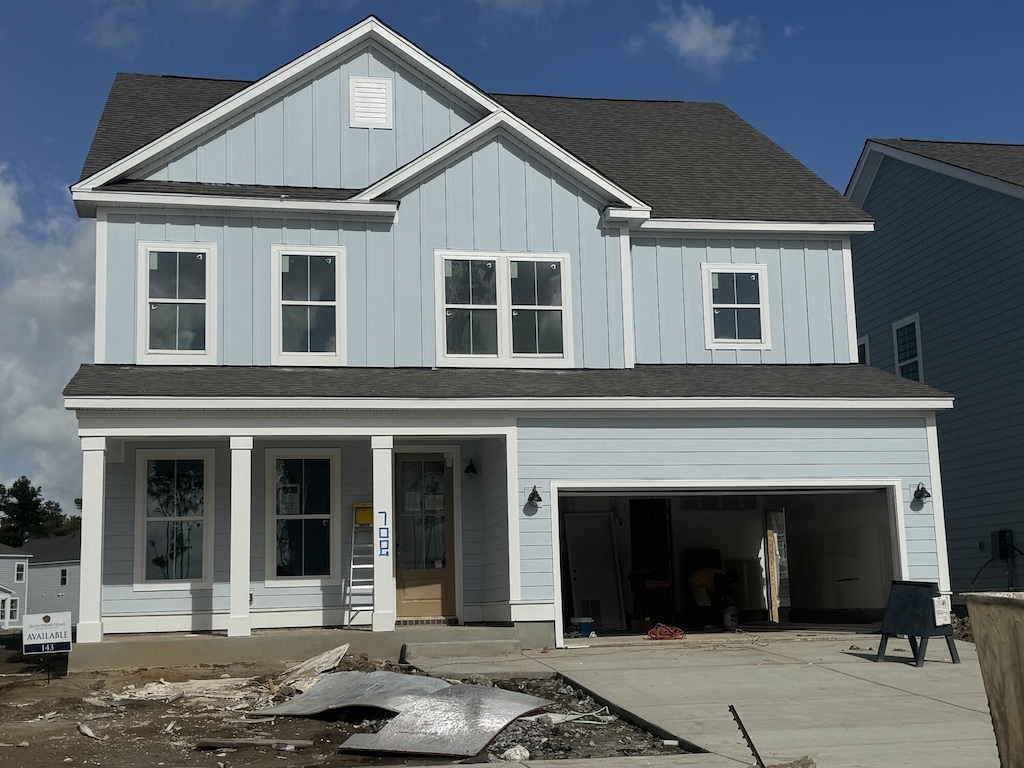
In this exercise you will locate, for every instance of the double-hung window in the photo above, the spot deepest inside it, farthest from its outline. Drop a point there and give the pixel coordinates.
(504, 309)
(303, 515)
(736, 306)
(308, 298)
(14, 609)
(906, 340)
(174, 518)
(176, 291)
(19, 572)
(63, 577)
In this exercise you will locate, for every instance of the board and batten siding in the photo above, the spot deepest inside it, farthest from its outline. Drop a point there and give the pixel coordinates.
(47, 595)
(670, 449)
(497, 198)
(950, 251)
(806, 291)
(304, 138)
(485, 532)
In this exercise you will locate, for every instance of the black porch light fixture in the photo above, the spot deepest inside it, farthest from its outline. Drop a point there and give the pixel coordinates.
(534, 499)
(921, 493)
(471, 470)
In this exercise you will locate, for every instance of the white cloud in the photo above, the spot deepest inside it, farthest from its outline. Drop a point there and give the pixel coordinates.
(634, 45)
(791, 30)
(118, 24)
(46, 318)
(704, 45)
(522, 7)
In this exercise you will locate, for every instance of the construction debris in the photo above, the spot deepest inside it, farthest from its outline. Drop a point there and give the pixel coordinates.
(85, 730)
(282, 744)
(390, 691)
(304, 676)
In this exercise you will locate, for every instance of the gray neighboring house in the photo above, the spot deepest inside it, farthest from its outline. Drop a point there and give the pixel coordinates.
(937, 285)
(14, 578)
(55, 573)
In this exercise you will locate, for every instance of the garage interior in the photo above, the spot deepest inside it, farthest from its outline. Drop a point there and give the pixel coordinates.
(791, 557)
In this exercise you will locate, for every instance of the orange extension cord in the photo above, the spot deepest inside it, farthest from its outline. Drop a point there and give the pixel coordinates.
(665, 632)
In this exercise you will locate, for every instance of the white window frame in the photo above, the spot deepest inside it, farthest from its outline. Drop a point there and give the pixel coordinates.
(708, 270)
(277, 355)
(354, 122)
(146, 356)
(914, 319)
(3, 609)
(505, 358)
(867, 350)
(13, 610)
(209, 501)
(271, 579)
(19, 573)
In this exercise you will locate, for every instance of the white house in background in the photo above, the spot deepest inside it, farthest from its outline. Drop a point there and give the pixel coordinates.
(54, 573)
(375, 346)
(14, 580)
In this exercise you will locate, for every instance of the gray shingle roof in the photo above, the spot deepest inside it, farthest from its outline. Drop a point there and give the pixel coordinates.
(55, 549)
(233, 190)
(645, 381)
(6, 550)
(1000, 161)
(685, 159)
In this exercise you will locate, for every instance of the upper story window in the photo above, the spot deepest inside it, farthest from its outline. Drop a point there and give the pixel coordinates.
(19, 572)
(736, 306)
(63, 577)
(174, 518)
(370, 102)
(176, 291)
(906, 341)
(504, 309)
(863, 351)
(308, 297)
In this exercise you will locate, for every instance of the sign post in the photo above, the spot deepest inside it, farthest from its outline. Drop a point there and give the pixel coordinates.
(46, 633)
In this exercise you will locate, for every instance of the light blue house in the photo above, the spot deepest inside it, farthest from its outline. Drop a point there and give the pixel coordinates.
(374, 347)
(937, 289)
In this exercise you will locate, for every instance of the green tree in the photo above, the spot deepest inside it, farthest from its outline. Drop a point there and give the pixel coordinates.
(25, 514)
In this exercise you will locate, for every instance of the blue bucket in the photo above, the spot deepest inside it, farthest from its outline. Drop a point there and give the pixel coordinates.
(585, 625)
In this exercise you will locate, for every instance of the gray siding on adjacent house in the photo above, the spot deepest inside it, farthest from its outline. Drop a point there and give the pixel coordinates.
(497, 198)
(952, 252)
(635, 449)
(48, 595)
(806, 299)
(18, 589)
(304, 138)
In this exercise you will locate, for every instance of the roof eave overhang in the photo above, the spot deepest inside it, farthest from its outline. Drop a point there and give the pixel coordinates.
(88, 201)
(749, 226)
(506, 404)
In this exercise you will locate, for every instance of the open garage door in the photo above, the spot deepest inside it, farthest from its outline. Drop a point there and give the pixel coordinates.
(814, 556)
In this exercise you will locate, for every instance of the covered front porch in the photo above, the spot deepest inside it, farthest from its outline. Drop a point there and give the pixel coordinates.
(230, 522)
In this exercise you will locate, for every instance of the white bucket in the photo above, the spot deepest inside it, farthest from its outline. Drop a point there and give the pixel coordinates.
(730, 617)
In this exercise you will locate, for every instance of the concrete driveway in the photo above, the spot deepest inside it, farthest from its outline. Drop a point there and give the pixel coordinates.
(798, 694)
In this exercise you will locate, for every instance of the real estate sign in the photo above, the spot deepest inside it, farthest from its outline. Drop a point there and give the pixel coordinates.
(46, 633)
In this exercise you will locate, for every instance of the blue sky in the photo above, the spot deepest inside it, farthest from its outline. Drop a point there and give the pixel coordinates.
(816, 77)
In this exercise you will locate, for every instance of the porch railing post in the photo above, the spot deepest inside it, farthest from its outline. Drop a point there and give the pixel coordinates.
(90, 601)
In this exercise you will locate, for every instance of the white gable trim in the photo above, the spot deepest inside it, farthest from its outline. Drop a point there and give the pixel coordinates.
(87, 201)
(864, 174)
(520, 130)
(369, 28)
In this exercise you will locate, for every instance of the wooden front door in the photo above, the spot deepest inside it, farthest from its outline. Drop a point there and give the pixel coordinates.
(425, 569)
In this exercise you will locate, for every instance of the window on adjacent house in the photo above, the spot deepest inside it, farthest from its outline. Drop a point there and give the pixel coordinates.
(304, 514)
(863, 351)
(13, 611)
(735, 306)
(19, 572)
(504, 309)
(176, 291)
(63, 577)
(308, 292)
(3, 609)
(175, 513)
(906, 335)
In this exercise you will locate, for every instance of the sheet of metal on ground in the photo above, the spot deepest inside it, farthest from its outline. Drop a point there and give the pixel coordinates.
(391, 691)
(456, 721)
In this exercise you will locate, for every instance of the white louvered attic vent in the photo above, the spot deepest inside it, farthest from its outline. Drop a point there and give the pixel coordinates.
(370, 102)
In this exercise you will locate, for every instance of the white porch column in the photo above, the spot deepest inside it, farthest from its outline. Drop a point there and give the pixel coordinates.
(90, 600)
(239, 623)
(384, 526)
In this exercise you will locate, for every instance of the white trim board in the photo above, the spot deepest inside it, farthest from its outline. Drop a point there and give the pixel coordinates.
(87, 202)
(748, 227)
(864, 174)
(643, 487)
(370, 29)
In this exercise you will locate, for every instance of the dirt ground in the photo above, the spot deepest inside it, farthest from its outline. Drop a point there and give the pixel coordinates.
(138, 720)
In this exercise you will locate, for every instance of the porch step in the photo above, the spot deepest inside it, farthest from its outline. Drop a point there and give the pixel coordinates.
(428, 652)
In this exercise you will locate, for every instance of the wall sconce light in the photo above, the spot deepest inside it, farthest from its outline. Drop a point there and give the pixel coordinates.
(534, 499)
(471, 470)
(921, 493)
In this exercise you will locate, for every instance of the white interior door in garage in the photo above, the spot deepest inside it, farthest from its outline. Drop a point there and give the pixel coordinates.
(594, 568)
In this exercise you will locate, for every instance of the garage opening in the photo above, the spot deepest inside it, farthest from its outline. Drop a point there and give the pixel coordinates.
(705, 559)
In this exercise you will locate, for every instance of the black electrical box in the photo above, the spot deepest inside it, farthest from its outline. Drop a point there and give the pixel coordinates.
(1002, 545)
